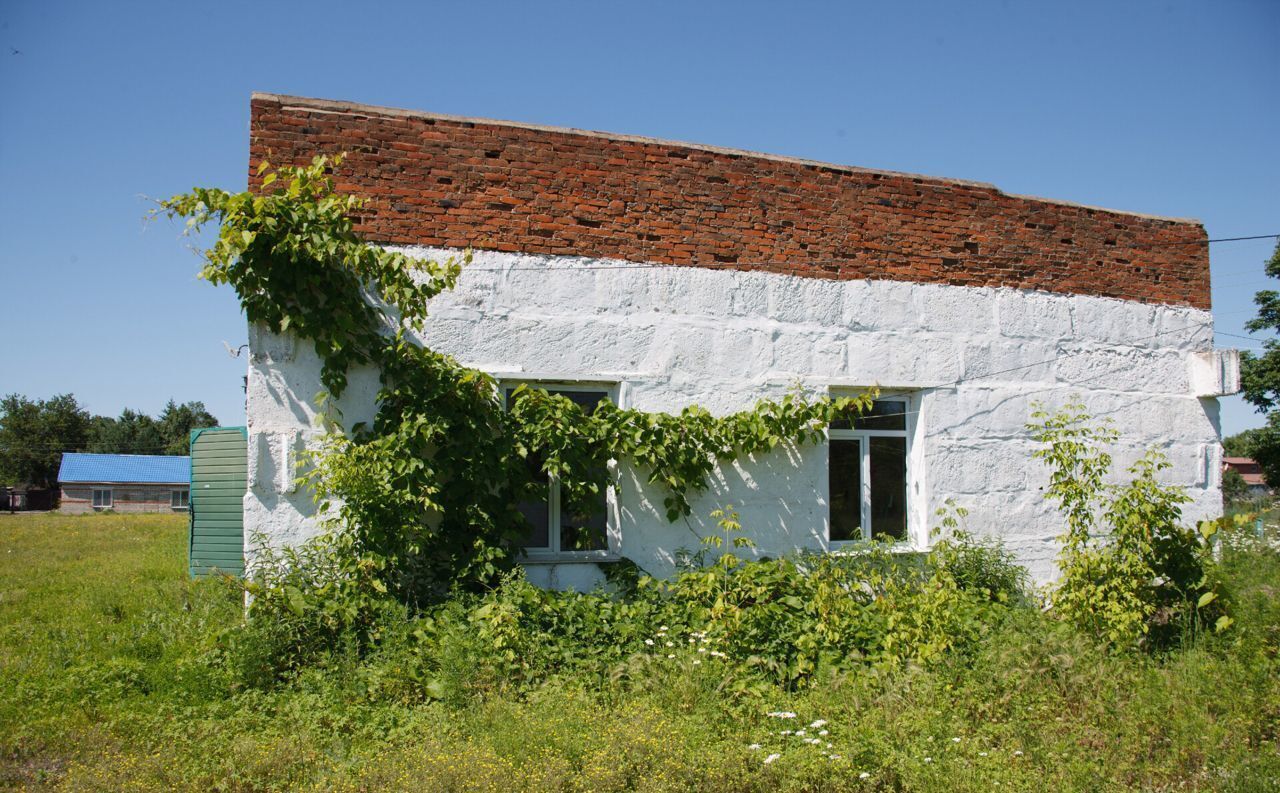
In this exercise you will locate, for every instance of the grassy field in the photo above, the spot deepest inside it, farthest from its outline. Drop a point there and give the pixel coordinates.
(114, 676)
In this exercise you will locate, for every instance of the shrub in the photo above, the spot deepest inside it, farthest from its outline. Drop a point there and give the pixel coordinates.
(1143, 579)
(308, 604)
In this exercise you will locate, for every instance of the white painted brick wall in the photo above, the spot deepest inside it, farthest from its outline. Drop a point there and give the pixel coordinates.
(725, 339)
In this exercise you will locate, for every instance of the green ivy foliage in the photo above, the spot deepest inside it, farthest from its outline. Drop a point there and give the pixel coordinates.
(297, 265)
(679, 451)
(427, 493)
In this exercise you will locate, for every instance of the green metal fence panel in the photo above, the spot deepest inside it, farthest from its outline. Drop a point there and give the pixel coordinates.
(219, 478)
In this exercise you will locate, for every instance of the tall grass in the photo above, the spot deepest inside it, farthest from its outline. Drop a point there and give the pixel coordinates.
(117, 672)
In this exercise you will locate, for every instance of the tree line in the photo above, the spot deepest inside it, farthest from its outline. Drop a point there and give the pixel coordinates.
(34, 433)
(1260, 382)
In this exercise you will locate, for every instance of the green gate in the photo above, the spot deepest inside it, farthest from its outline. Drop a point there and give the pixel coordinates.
(219, 476)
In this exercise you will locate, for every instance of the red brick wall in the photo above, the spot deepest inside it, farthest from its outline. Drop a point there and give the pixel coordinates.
(443, 181)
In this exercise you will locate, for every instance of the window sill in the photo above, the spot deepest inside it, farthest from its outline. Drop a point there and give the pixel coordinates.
(859, 547)
(581, 557)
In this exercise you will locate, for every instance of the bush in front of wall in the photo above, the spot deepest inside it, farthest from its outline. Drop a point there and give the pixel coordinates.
(1130, 571)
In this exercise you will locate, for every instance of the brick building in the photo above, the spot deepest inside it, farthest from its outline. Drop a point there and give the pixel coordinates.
(662, 274)
(124, 482)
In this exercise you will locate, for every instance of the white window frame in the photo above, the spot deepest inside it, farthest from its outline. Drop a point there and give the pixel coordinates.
(863, 438)
(108, 502)
(174, 496)
(613, 538)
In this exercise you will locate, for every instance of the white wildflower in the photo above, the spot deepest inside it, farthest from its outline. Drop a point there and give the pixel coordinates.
(864, 775)
(771, 758)
(928, 759)
(955, 740)
(755, 747)
(696, 662)
(671, 655)
(784, 732)
(819, 723)
(1018, 753)
(781, 714)
(814, 741)
(649, 642)
(800, 733)
(671, 644)
(982, 754)
(824, 732)
(664, 628)
(702, 649)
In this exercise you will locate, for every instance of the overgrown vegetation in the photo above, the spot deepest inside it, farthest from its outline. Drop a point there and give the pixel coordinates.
(428, 494)
(118, 672)
(404, 651)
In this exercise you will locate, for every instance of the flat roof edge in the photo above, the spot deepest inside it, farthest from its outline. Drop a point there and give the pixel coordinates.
(337, 106)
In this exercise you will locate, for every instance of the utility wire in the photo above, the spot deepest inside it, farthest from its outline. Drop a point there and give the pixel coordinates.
(1203, 242)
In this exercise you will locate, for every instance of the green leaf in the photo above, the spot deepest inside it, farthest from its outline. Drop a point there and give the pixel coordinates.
(1206, 599)
(294, 600)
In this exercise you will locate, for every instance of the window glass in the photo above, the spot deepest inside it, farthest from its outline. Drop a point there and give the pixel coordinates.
(584, 529)
(845, 473)
(101, 498)
(888, 488)
(868, 474)
(585, 532)
(537, 512)
(178, 499)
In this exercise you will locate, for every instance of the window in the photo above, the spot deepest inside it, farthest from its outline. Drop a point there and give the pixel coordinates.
(102, 498)
(179, 499)
(867, 468)
(553, 530)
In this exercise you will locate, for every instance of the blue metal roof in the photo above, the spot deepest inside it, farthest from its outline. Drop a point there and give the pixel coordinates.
(142, 468)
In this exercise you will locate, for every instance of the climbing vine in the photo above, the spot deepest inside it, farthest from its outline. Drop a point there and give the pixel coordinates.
(294, 259)
(426, 494)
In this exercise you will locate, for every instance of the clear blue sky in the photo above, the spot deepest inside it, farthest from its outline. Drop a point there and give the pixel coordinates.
(1170, 108)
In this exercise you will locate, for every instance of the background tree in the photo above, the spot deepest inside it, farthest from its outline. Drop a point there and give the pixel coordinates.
(1242, 443)
(1234, 488)
(1260, 377)
(177, 421)
(133, 432)
(33, 435)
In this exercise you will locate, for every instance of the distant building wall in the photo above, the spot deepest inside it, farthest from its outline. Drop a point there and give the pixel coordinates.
(78, 498)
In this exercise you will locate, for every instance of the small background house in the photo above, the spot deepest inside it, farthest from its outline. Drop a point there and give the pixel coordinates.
(1251, 472)
(124, 482)
(25, 497)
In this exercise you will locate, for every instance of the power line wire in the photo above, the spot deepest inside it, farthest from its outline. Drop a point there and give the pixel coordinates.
(1203, 242)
